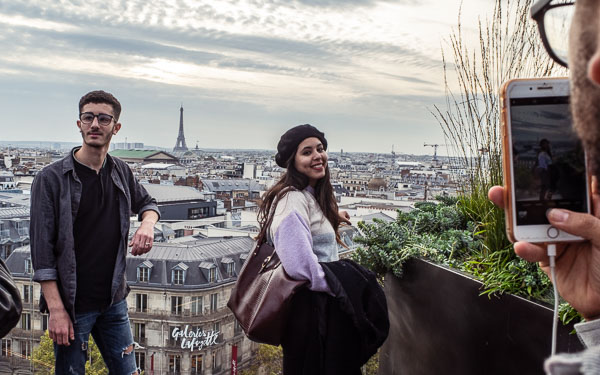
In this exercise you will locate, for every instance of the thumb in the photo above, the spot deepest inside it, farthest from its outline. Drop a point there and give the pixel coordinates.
(583, 225)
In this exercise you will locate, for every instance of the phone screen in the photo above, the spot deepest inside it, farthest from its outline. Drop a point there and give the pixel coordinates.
(548, 159)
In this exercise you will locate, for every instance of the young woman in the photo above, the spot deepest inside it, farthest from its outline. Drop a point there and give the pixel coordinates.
(545, 169)
(305, 222)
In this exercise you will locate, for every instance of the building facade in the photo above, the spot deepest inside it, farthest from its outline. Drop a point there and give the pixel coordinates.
(177, 309)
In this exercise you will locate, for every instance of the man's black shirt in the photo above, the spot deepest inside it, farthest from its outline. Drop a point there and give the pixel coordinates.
(96, 234)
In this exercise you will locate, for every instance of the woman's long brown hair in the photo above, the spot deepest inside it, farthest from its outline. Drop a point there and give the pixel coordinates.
(292, 179)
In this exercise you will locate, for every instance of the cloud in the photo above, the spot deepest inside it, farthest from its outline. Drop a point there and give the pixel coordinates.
(349, 65)
(191, 56)
(349, 3)
(411, 79)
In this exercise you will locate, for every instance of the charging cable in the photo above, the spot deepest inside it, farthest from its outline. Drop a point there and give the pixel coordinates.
(552, 255)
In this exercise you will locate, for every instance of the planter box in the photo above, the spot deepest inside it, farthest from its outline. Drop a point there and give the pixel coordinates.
(439, 324)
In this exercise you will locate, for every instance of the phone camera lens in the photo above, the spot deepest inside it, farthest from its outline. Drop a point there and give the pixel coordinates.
(531, 88)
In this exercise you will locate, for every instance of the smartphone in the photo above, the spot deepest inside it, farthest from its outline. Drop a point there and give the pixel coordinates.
(543, 159)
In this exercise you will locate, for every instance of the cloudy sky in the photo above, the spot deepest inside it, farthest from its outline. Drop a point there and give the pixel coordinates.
(365, 72)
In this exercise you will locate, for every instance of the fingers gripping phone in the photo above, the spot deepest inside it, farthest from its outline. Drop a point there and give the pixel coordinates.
(544, 161)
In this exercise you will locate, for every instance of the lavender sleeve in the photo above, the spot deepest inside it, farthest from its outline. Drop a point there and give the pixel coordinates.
(293, 244)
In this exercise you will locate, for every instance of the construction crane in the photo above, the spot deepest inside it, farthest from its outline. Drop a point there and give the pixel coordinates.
(435, 147)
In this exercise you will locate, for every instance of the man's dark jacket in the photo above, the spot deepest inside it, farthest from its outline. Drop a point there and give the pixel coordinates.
(336, 334)
(55, 197)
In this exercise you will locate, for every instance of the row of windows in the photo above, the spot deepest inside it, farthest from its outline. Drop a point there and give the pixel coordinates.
(7, 349)
(195, 306)
(140, 357)
(198, 213)
(175, 359)
(8, 248)
(178, 275)
(21, 227)
(196, 363)
(26, 322)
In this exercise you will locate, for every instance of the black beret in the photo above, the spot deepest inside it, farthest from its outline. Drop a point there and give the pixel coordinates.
(292, 138)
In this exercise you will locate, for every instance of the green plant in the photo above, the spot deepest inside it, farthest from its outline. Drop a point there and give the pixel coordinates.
(440, 232)
(372, 365)
(449, 234)
(269, 361)
(567, 314)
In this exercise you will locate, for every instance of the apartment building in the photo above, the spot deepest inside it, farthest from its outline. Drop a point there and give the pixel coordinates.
(177, 308)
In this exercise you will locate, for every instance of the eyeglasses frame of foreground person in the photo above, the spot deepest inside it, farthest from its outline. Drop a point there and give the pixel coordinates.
(539, 11)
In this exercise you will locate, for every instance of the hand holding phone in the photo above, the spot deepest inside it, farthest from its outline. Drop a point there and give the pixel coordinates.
(544, 162)
(577, 263)
(534, 111)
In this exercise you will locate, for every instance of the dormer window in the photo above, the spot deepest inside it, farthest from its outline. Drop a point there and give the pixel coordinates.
(4, 229)
(22, 228)
(28, 268)
(229, 266)
(143, 274)
(143, 271)
(230, 269)
(243, 258)
(211, 271)
(178, 274)
(178, 277)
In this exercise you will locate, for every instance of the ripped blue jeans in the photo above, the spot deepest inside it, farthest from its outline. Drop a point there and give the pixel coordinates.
(112, 334)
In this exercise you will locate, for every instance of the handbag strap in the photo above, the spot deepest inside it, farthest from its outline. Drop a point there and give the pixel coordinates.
(263, 234)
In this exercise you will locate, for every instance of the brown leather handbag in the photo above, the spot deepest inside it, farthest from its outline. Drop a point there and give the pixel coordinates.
(10, 301)
(261, 296)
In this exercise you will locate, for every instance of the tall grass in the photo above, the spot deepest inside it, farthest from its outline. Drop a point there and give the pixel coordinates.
(509, 47)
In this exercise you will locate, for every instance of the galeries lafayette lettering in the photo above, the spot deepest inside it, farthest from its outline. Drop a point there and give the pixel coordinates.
(194, 340)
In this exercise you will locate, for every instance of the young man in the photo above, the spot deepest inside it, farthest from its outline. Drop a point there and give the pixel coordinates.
(577, 264)
(80, 209)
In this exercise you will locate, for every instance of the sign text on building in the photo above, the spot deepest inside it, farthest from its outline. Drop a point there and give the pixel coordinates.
(194, 339)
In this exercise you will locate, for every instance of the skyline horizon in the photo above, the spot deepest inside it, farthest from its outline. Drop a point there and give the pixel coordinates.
(17, 143)
(191, 144)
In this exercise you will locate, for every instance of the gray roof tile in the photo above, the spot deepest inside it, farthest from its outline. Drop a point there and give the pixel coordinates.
(14, 212)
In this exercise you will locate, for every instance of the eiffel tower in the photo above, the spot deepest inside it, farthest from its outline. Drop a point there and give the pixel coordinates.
(180, 144)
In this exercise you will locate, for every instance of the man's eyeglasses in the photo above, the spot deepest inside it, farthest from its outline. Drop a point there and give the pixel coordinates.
(88, 117)
(554, 21)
